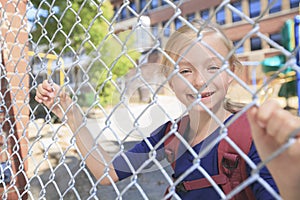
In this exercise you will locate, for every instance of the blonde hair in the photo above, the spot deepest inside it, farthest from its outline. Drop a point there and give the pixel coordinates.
(186, 36)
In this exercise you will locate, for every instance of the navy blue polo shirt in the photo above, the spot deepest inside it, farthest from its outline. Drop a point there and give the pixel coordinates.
(139, 156)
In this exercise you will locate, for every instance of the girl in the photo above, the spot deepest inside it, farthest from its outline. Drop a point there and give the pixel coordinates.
(197, 73)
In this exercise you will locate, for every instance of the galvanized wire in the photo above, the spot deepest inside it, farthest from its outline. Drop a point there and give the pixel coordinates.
(56, 167)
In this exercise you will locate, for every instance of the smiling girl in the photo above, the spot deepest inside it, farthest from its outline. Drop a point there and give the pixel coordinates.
(197, 69)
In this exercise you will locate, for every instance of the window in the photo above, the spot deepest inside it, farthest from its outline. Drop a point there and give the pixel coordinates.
(236, 17)
(276, 37)
(220, 15)
(124, 13)
(204, 14)
(143, 3)
(254, 6)
(191, 17)
(255, 43)
(294, 3)
(154, 4)
(133, 6)
(240, 49)
(276, 6)
(178, 23)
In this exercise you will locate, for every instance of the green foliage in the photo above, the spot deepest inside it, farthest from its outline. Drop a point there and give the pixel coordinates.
(118, 56)
(81, 26)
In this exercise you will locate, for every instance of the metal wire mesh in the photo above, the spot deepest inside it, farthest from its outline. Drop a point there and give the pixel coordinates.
(81, 46)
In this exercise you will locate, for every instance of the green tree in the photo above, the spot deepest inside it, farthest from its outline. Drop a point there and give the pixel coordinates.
(118, 55)
(77, 26)
(80, 26)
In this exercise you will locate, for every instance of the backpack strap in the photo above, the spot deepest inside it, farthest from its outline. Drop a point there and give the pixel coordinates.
(172, 142)
(219, 179)
(232, 169)
(230, 162)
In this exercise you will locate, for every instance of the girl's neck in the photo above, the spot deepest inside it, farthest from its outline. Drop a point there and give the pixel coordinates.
(202, 124)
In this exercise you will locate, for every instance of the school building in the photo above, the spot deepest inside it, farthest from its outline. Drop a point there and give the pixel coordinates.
(269, 15)
(159, 13)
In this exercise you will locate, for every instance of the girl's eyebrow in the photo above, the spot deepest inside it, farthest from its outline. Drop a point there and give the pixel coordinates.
(184, 62)
(216, 60)
(213, 59)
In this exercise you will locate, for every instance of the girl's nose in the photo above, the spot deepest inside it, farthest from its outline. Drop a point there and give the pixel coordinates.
(198, 81)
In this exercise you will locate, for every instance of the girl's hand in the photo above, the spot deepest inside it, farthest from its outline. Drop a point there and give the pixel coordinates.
(271, 128)
(47, 93)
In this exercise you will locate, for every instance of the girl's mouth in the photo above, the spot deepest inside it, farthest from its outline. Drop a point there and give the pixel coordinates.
(202, 95)
(206, 94)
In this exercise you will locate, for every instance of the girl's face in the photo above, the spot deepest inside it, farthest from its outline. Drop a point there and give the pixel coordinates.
(198, 66)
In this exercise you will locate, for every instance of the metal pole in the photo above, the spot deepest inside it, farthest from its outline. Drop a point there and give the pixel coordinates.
(297, 42)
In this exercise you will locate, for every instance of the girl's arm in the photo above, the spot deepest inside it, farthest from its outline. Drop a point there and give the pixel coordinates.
(96, 160)
(259, 190)
(271, 126)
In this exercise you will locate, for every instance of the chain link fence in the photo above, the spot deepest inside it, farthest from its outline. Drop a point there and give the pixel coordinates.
(111, 69)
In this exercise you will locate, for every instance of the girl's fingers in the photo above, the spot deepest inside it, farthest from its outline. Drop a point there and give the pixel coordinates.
(39, 100)
(252, 112)
(265, 120)
(290, 124)
(47, 86)
(46, 92)
(277, 122)
(265, 112)
(40, 93)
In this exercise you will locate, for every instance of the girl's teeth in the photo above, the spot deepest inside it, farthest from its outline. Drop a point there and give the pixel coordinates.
(202, 96)
(207, 94)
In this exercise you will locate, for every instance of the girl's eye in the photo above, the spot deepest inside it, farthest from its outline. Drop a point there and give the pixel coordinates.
(185, 71)
(213, 68)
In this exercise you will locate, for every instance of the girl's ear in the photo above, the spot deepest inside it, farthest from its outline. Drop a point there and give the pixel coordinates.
(236, 69)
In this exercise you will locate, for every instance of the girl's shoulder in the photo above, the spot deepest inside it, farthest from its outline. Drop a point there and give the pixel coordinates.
(160, 131)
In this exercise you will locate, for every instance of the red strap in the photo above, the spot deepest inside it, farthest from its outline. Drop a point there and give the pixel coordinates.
(219, 179)
(172, 142)
(240, 133)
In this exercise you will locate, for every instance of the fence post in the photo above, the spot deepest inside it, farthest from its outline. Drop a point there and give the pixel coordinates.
(15, 90)
(297, 43)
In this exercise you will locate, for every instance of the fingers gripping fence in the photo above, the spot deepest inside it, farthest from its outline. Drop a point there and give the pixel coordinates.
(106, 92)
